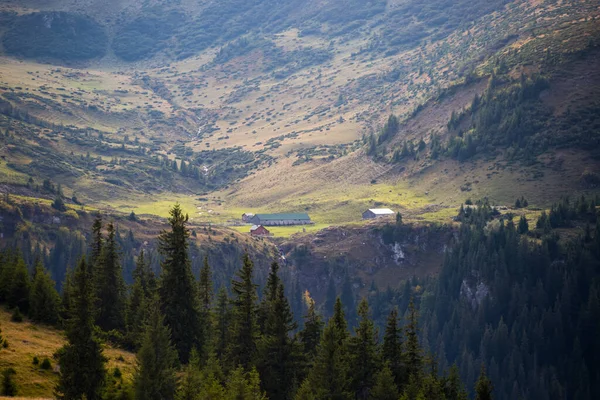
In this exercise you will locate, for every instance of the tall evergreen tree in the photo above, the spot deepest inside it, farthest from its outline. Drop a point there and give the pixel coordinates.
(278, 352)
(244, 335)
(139, 301)
(392, 349)
(384, 386)
(205, 287)
(192, 379)
(328, 379)
(413, 352)
(110, 286)
(453, 388)
(244, 386)
(97, 241)
(82, 364)
(44, 300)
(311, 334)
(156, 374)
(178, 289)
(19, 286)
(363, 354)
(483, 387)
(221, 317)
(205, 291)
(523, 225)
(339, 320)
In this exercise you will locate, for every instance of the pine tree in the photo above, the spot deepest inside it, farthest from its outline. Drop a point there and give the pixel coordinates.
(66, 295)
(311, 334)
(9, 386)
(205, 291)
(156, 375)
(523, 225)
(19, 287)
(244, 386)
(44, 300)
(110, 286)
(454, 389)
(413, 352)
(82, 364)
(205, 287)
(362, 351)
(137, 312)
(97, 241)
(339, 320)
(178, 289)
(392, 349)
(278, 352)
(222, 324)
(483, 386)
(384, 388)
(244, 335)
(329, 376)
(192, 379)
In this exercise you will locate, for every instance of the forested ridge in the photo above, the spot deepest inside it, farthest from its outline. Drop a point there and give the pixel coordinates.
(194, 344)
(517, 297)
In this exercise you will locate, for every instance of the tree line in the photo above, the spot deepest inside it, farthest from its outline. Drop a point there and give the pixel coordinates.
(193, 343)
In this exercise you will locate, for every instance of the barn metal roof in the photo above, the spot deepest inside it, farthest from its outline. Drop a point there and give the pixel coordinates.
(273, 217)
(381, 211)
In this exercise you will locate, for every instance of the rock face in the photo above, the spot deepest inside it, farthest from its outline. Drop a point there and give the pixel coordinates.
(367, 253)
(474, 293)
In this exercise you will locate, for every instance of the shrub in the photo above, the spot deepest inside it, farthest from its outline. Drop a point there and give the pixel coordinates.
(17, 316)
(46, 364)
(59, 204)
(9, 387)
(36, 360)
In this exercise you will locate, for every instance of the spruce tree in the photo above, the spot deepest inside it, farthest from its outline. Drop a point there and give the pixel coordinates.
(221, 317)
(363, 355)
(156, 374)
(44, 300)
(328, 379)
(454, 389)
(66, 295)
(483, 386)
(244, 386)
(413, 353)
(110, 286)
(523, 225)
(205, 291)
(9, 386)
(311, 334)
(339, 320)
(82, 364)
(244, 335)
(192, 379)
(178, 289)
(205, 287)
(139, 301)
(278, 352)
(96, 242)
(392, 349)
(384, 386)
(19, 287)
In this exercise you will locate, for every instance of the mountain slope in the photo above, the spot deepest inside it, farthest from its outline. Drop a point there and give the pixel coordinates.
(278, 108)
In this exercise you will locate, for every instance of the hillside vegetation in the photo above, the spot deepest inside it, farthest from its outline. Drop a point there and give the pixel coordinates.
(286, 96)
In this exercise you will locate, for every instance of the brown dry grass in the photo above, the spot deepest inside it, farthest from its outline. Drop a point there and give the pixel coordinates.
(27, 340)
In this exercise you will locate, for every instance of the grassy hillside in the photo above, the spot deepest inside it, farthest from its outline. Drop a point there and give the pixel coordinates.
(275, 111)
(27, 340)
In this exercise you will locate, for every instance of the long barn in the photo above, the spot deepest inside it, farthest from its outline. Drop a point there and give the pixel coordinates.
(281, 219)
